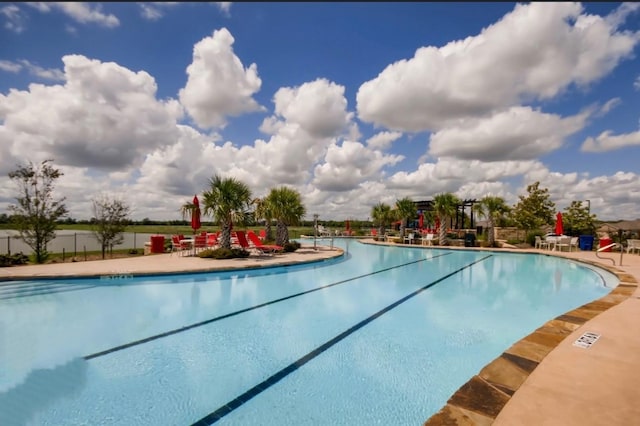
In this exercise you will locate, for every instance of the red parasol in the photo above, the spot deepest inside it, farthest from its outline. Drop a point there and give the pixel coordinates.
(559, 230)
(421, 221)
(195, 215)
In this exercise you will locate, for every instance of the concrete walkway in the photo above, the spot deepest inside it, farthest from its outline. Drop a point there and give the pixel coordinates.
(165, 263)
(541, 380)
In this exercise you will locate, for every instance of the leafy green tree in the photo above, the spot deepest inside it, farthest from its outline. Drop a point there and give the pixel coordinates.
(37, 211)
(263, 212)
(405, 209)
(285, 206)
(535, 209)
(578, 220)
(382, 216)
(110, 219)
(493, 209)
(227, 200)
(445, 206)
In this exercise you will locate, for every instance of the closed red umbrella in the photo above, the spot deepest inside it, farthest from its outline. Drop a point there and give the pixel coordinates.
(195, 215)
(421, 221)
(559, 230)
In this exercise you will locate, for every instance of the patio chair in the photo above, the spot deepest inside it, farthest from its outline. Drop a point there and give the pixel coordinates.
(200, 243)
(212, 241)
(177, 245)
(262, 235)
(563, 242)
(573, 243)
(541, 244)
(409, 238)
(633, 245)
(264, 248)
(427, 240)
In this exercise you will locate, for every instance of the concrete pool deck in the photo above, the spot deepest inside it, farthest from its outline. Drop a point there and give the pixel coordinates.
(543, 379)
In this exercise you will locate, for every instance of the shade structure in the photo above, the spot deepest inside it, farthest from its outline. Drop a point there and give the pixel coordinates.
(195, 214)
(559, 230)
(421, 221)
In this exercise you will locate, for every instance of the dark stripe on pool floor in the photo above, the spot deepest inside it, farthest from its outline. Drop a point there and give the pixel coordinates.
(227, 408)
(241, 311)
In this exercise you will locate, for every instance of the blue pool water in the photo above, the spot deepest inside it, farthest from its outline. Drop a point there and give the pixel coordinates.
(383, 336)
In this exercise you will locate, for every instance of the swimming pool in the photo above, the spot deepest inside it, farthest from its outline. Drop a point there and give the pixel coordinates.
(383, 336)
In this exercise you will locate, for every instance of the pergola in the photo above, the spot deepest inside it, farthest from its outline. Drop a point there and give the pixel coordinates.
(427, 205)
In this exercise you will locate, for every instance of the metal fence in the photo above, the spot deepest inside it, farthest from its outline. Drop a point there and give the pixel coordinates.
(73, 243)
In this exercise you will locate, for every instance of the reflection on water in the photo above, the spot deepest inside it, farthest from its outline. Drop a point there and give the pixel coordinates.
(41, 388)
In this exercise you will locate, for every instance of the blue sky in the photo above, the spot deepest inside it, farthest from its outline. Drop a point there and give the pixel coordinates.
(349, 103)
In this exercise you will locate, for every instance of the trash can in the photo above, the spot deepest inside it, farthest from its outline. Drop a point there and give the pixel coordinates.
(585, 242)
(605, 242)
(157, 244)
(469, 240)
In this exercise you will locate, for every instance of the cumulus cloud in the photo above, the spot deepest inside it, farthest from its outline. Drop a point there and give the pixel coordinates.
(82, 12)
(535, 52)
(349, 164)
(218, 85)
(318, 107)
(519, 133)
(105, 116)
(607, 141)
(383, 140)
(636, 84)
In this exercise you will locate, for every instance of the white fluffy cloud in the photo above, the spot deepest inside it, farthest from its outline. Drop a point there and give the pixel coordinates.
(104, 116)
(606, 141)
(535, 52)
(383, 140)
(218, 85)
(519, 133)
(318, 107)
(349, 164)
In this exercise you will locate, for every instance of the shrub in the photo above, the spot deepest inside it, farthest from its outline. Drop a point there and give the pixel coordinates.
(13, 259)
(291, 246)
(224, 253)
(531, 237)
(133, 251)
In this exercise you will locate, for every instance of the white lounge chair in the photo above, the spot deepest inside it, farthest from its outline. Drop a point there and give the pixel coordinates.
(427, 240)
(633, 245)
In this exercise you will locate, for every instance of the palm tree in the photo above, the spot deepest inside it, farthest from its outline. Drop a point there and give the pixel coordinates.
(285, 205)
(445, 206)
(382, 215)
(227, 200)
(405, 209)
(493, 209)
(261, 212)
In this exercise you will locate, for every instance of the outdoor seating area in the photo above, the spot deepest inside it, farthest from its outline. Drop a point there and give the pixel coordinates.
(250, 241)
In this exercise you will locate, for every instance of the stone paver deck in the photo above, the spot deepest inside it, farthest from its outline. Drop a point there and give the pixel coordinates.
(543, 379)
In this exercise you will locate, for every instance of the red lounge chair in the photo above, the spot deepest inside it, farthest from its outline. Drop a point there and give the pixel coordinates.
(269, 248)
(263, 234)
